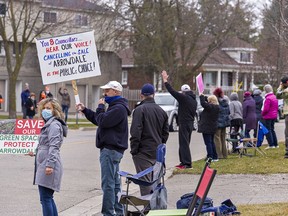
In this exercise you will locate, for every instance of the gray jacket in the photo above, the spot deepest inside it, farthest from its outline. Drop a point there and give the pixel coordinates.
(235, 106)
(48, 154)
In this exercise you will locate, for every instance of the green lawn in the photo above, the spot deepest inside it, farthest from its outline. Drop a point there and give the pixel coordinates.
(273, 162)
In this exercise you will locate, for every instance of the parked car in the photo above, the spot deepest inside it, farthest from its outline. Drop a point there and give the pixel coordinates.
(280, 110)
(170, 105)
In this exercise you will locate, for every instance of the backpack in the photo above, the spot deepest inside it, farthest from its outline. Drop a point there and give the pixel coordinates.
(186, 199)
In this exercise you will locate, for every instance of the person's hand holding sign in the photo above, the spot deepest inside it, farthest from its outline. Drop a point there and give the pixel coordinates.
(80, 107)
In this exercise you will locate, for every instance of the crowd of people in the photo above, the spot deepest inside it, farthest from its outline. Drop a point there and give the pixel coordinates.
(149, 128)
(30, 104)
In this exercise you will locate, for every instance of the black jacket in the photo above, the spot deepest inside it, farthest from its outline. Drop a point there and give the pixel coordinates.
(208, 117)
(31, 103)
(149, 128)
(187, 104)
(112, 131)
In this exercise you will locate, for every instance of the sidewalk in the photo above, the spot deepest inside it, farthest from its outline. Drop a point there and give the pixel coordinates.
(241, 189)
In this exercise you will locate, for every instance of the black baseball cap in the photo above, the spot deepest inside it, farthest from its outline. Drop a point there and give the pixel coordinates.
(284, 79)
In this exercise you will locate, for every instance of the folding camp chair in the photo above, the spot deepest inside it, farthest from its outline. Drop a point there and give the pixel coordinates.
(253, 143)
(157, 171)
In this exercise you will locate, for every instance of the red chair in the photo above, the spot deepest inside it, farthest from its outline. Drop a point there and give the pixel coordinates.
(202, 189)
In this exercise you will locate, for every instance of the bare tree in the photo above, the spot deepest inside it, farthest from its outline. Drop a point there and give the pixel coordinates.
(21, 24)
(273, 43)
(179, 35)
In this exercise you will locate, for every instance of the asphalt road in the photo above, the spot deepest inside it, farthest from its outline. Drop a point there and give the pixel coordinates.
(81, 180)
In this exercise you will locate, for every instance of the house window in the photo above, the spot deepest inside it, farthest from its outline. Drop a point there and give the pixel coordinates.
(14, 48)
(2, 9)
(245, 57)
(124, 77)
(81, 20)
(209, 79)
(50, 17)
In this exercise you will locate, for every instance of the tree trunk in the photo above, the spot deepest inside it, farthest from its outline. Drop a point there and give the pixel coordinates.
(12, 97)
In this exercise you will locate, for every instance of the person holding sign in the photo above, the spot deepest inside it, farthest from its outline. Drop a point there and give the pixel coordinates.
(48, 165)
(112, 140)
(186, 113)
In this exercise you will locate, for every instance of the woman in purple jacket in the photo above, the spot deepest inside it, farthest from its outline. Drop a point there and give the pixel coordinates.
(249, 113)
(269, 116)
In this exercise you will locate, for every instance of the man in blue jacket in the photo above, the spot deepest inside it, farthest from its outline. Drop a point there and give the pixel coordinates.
(149, 128)
(112, 140)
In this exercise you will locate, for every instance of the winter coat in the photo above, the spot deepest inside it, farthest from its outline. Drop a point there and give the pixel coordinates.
(282, 93)
(149, 128)
(187, 104)
(224, 112)
(270, 106)
(65, 98)
(31, 103)
(259, 103)
(112, 131)
(208, 117)
(249, 113)
(48, 154)
(24, 96)
(236, 109)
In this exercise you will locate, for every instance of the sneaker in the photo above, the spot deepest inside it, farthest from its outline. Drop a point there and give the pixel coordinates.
(277, 146)
(269, 147)
(179, 165)
(183, 167)
(215, 160)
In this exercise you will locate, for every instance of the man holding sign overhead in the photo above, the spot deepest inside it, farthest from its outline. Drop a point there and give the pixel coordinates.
(186, 113)
(112, 140)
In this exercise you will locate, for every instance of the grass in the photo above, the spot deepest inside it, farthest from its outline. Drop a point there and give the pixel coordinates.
(273, 209)
(273, 162)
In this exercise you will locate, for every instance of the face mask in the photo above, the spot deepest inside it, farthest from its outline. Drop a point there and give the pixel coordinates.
(111, 99)
(46, 114)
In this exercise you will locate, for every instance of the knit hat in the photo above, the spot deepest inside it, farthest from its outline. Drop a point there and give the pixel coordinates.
(147, 89)
(257, 92)
(185, 88)
(247, 94)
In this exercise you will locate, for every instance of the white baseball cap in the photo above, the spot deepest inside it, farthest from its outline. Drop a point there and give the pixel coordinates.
(113, 85)
(185, 87)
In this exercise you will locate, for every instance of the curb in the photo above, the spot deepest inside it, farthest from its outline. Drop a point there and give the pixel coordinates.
(93, 205)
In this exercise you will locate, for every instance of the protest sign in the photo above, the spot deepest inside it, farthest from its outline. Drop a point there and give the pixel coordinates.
(200, 84)
(19, 136)
(68, 57)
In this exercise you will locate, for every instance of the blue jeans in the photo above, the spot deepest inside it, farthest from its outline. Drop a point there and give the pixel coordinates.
(210, 146)
(65, 109)
(111, 182)
(46, 198)
(271, 135)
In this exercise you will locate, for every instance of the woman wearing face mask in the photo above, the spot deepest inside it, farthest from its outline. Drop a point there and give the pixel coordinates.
(48, 165)
(31, 106)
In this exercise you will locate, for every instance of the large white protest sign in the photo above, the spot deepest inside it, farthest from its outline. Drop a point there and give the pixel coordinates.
(68, 57)
(19, 136)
